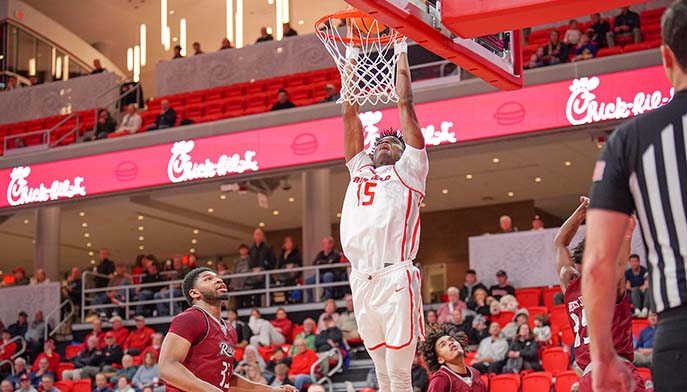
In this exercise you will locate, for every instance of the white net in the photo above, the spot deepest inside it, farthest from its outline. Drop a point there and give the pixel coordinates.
(365, 52)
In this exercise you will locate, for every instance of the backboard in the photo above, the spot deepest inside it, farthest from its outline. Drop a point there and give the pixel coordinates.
(495, 58)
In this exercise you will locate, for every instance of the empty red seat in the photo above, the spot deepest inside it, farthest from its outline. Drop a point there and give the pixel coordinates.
(255, 88)
(195, 98)
(505, 383)
(275, 84)
(503, 318)
(63, 386)
(234, 108)
(256, 104)
(549, 294)
(213, 111)
(193, 112)
(565, 380)
(555, 360)
(635, 47)
(528, 297)
(605, 52)
(537, 382)
(645, 373)
(215, 94)
(82, 386)
(559, 316)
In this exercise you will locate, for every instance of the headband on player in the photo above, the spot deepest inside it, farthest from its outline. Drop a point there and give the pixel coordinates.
(390, 133)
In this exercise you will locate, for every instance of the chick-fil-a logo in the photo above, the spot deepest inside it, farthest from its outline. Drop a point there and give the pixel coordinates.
(19, 192)
(583, 107)
(181, 168)
(433, 136)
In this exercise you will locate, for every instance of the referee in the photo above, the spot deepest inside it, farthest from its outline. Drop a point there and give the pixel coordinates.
(643, 168)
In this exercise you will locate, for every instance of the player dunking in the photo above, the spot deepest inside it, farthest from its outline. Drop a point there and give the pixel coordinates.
(571, 284)
(380, 230)
(444, 354)
(198, 351)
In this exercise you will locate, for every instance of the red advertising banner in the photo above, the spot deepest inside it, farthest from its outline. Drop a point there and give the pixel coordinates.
(575, 102)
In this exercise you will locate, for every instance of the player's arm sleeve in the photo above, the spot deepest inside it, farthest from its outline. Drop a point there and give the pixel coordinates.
(413, 167)
(610, 181)
(361, 159)
(191, 326)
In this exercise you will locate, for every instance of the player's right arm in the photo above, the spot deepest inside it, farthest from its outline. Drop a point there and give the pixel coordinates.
(565, 235)
(172, 354)
(354, 139)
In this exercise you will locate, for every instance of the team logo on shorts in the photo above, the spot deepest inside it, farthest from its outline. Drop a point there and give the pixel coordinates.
(226, 350)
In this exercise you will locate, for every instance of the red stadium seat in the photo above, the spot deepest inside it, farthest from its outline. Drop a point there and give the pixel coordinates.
(485, 380)
(266, 352)
(635, 47)
(213, 111)
(549, 294)
(236, 90)
(535, 311)
(82, 385)
(64, 386)
(469, 357)
(62, 366)
(257, 87)
(256, 104)
(565, 380)
(71, 351)
(505, 383)
(528, 297)
(567, 336)
(537, 382)
(503, 318)
(555, 360)
(195, 98)
(638, 325)
(559, 316)
(194, 112)
(215, 94)
(645, 373)
(605, 52)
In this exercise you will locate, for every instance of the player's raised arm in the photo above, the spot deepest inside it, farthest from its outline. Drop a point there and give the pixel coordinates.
(565, 235)
(173, 351)
(410, 127)
(354, 139)
(624, 255)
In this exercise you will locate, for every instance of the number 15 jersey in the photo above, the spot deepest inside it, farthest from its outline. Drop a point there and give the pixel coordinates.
(380, 219)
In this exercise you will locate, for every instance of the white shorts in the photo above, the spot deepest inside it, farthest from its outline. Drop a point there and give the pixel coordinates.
(388, 306)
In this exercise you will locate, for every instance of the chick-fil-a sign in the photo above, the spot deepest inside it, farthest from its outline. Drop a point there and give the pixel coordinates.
(555, 105)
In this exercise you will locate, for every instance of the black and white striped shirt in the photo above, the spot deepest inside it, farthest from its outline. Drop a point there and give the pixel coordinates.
(643, 168)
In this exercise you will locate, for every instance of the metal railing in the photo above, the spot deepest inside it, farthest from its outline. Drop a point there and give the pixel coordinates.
(326, 372)
(19, 352)
(88, 295)
(63, 320)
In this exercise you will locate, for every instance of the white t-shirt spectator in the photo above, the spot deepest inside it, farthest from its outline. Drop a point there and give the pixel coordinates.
(130, 123)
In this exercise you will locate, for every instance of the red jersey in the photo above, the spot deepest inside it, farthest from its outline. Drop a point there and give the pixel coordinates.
(621, 327)
(446, 380)
(213, 345)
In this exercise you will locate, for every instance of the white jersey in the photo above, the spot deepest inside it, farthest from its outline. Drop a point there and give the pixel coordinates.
(380, 219)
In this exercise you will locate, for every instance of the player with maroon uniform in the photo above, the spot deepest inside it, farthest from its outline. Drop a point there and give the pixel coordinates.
(198, 351)
(569, 266)
(445, 358)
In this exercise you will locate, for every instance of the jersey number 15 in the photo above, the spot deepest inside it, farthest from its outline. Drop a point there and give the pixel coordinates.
(366, 193)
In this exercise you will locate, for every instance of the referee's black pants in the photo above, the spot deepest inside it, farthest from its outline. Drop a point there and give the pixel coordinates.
(669, 362)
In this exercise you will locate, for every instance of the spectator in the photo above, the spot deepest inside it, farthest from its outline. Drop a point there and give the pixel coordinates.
(327, 256)
(106, 267)
(288, 259)
(329, 309)
(6, 386)
(96, 332)
(12, 83)
(542, 330)
(243, 332)
(250, 357)
(302, 361)
(21, 326)
(555, 52)
(264, 35)
(330, 337)
(636, 283)
(196, 49)
(491, 352)
(47, 383)
(139, 338)
(39, 277)
(506, 224)
(626, 24)
(315, 387)
(307, 335)
(179, 270)
(7, 348)
(283, 325)
(112, 297)
(148, 374)
(34, 335)
(72, 288)
(37, 376)
(33, 80)
(278, 358)
(82, 359)
(101, 384)
(479, 325)
(131, 122)
(537, 222)
(445, 311)
(523, 352)
(263, 332)
(20, 370)
(50, 354)
(166, 119)
(97, 67)
(177, 52)
(226, 44)
(502, 288)
(127, 370)
(25, 384)
(598, 30)
(104, 126)
(470, 285)
(104, 359)
(147, 293)
(261, 254)
(241, 265)
(330, 93)
(431, 320)
(138, 269)
(20, 278)
(283, 101)
(418, 374)
(288, 31)
(254, 374)
(537, 59)
(644, 348)
(281, 376)
(122, 384)
(573, 34)
(584, 49)
(349, 325)
(462, 325)
(511, 329)
(121, 333)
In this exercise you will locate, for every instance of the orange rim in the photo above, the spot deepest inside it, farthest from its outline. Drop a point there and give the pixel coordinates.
(350, 14)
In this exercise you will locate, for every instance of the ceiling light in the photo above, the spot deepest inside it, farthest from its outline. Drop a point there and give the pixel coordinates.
(301, 22)
(141, 247)
(211, 210)
(196, 231)
(82, 213)
(88, 244)
(209, 261)
(261, 224)
(599, 146)
(130, 59)
(26, 221)
(423, 205)
(141, 228)
(338, 215)
(567, 163)
(269, 30)
(511, 194)
(223, 197)
(86, 235)
(192, 250)
(292, 199)
(444, 191)
(92, 262)
(175, 39)
(275, 212)
(537, 179)
(143, 41)
(468, 176)
(91, 253)
(194, 241)
(495, 160)
(171, 12)
(84, 224)
(140, 217)
(141, 238)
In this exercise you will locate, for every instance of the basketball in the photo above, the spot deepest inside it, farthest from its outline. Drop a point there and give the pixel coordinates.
(368, 26)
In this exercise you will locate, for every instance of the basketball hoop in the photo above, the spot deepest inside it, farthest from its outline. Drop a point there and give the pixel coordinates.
(365, 52)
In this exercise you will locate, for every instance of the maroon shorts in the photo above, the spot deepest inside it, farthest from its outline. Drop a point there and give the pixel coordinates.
(585, 382)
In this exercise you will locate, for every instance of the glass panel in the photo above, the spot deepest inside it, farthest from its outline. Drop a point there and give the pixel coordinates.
(3, 46)
(12, 48)
(26, 52)
(43, 62)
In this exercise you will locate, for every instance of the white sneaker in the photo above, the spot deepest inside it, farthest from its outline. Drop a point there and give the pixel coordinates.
(644, 313)
(636, 313)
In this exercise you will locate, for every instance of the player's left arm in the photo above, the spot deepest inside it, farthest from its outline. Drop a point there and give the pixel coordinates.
(412, 133)
(623, 256)
(241, 384)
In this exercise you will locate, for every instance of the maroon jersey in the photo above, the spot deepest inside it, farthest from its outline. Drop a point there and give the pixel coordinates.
(446, 380)
(213, 342)
(621, 327)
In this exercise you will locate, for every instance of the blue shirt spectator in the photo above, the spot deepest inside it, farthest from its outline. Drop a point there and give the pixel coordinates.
(646, 337)
(635, 274)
